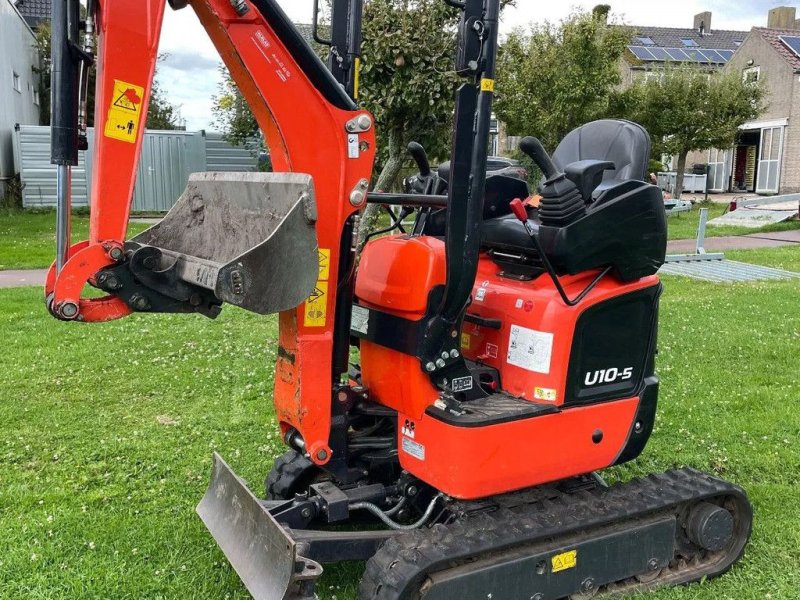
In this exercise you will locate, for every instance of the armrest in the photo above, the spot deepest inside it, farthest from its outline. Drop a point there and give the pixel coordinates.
(587, 175)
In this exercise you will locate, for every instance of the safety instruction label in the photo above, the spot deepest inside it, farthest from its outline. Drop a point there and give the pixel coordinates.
(530, 349)
(466, 341)
(546, 394)
(564, 561)
(359, 320)
(413, 448)
(316, 311)
(324, 265)
(124, 112)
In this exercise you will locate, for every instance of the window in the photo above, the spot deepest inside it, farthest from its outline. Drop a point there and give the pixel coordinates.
(737, 43)
(689, 43)
(751, 74)
(16, 82)
(36, 97)
(646, 41)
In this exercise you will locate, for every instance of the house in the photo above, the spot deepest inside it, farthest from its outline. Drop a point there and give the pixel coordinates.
(19, 83)
(653, 48)
(35, 12)
(766, 157)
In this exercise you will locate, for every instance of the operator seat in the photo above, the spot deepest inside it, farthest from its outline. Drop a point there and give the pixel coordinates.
(624, 225)
(624, 143)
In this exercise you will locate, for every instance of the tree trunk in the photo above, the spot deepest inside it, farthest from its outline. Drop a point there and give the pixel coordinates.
(679, 179)
(387, 178)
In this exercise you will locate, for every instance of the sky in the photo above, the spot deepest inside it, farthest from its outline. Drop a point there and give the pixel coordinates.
(189, 74)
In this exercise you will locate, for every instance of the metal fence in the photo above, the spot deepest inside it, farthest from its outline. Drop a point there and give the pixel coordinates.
(168, 158)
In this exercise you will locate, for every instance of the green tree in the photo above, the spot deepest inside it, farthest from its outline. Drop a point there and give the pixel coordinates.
(686, 109)
(231, 115)
(407, 79)
(161, 113)
(556, 77)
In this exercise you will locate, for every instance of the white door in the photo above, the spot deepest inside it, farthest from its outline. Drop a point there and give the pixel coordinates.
(769, 161)
(718, 170)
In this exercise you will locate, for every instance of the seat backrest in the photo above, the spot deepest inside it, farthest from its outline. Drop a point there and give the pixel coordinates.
(624, 143)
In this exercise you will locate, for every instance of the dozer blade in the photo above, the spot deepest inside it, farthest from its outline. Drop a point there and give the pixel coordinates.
(263, 554)
(248, 237)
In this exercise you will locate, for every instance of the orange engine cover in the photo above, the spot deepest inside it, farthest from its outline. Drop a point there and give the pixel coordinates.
(395, 275)
(528, 335)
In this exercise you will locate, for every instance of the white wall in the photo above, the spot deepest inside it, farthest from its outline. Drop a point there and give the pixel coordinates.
(17, 55)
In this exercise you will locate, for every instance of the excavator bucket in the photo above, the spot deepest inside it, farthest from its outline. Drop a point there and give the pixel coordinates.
(248, 237)
(261, 552)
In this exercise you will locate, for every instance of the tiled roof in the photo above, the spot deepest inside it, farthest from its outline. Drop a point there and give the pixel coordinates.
(34, 11)
(668, 37)
(772, 36)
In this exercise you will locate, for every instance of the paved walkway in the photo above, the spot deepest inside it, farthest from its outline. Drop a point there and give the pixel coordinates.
(14, 279)
(738, 242)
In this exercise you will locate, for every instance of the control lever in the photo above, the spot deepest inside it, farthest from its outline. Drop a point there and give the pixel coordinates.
(420, 157)
(534, 148)
(519, 210)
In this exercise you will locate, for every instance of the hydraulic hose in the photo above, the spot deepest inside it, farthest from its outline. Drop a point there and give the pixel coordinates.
(385, 517)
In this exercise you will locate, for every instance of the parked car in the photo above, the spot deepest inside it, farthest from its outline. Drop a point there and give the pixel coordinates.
(499, 165)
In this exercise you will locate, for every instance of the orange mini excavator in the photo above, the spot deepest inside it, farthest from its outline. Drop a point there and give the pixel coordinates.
(446, 393)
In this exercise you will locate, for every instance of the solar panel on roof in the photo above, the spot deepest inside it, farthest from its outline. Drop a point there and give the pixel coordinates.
(660, 54)
(696, 55)
(714, 56)
(677, 54)
(726, 54)
(642, 53)
(793, 42)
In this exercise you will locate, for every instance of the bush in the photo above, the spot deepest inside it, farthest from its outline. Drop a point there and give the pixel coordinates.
(655, 166)
(11, 194)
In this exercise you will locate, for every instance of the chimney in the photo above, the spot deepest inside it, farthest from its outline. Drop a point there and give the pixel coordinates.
(702, 23)
(782, 17)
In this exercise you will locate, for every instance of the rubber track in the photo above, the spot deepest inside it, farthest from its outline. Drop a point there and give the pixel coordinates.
(402, 564)
(287, 470)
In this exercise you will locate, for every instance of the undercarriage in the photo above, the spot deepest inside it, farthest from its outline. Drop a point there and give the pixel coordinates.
(577, 538)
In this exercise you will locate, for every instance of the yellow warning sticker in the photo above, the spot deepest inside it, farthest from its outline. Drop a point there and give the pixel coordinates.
(316, 313)
(124, 112)
(317, 306)
(487, 85)
(324, 264)
(466, 341)
(547, 394)
(564, 561)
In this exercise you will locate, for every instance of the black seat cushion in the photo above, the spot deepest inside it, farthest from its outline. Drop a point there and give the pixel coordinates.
(624, 143)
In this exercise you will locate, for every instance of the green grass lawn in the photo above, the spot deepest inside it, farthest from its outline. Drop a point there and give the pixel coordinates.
(683, 226)
(28, 239)
(106, 435)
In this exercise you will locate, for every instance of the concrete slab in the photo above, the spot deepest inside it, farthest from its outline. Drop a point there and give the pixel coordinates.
(725, 271)
(754, 217)
(16, 279)
(762, 211)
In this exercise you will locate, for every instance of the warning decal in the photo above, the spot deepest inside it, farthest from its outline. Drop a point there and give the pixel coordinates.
(316, 308)
(324, 265)
(122, 122)
(530, 349)
(564, 561)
